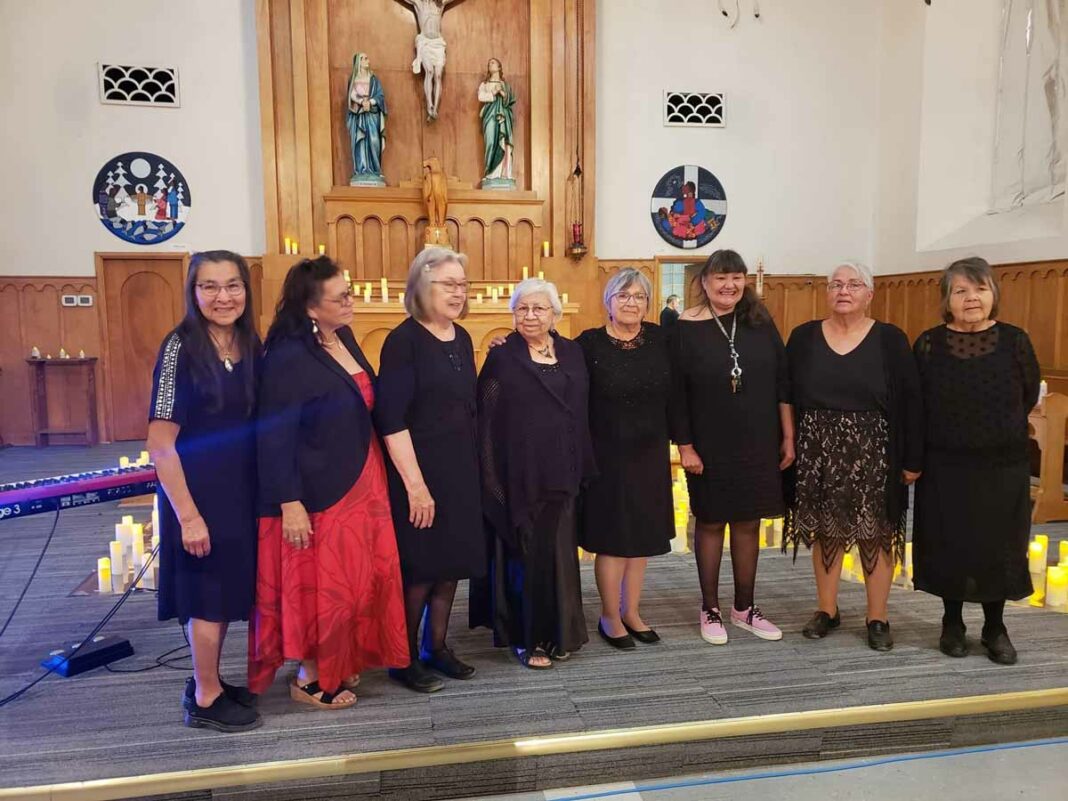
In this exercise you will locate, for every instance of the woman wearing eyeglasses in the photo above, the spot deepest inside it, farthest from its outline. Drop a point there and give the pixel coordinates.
(426, 415)
(201, 437)
(627, 509)
(535, 455)
(731, 418)
(859, 445)
(328, 589)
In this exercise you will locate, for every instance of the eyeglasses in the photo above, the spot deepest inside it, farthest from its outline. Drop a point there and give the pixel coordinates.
(453, 287)
(210, 289)
(344, 299)
(537, 311)
(625, 297)
(852, 286)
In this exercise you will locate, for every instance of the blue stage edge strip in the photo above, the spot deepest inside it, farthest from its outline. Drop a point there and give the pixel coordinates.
(785, 774)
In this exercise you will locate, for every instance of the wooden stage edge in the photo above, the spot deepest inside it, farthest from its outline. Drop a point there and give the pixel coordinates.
(548, 745)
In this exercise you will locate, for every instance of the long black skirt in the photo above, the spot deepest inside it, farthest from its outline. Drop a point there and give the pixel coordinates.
(532, 594)
(970, 530)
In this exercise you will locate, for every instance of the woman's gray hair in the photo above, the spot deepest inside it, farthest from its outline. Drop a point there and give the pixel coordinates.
(974, 269)
(532, 286)
(421, 273)
(623, 279)
(862, 271)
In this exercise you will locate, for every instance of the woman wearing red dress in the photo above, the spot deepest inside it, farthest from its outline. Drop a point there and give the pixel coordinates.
(328, 590)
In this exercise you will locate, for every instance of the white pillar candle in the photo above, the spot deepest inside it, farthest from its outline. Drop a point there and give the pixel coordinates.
(541, 275)
(526, 273)
(563, 298)
(124, 461)
(103, 575)
(1056, 587)
(385, 291)
(149, 579)
(348, 279)
(289, 246)
(322, 251)
(545, 248)
(511, 289)
(124, 536)
(145, 457)
(478, 297)
(367, 295)
(127, 519)
(118, 566)
(1036, 556)
(400, 297)
(138, 541)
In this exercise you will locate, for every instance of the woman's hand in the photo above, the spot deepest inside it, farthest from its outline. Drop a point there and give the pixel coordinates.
(195, 538)
(691, 462)
(296, 527)
(909, 477)
(495, 342)
(786, 453)
(420, 507)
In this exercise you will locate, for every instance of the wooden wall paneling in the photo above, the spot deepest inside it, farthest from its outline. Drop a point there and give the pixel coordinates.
(525, 242)
(1042, 306)
(371, 233)
(255, 268)
(344, 244)
(473, 243)
(267, 124)
(15, 415)
(400, 249)
(1015, 296)
(317, 33)
(897, 311)
(499, 261)
(301, 125)
(284, 122)
(541, 71)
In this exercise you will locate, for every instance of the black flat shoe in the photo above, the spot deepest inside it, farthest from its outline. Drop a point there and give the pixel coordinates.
(444, 661)
(879, 638)
(649, 636)
(624, 643)
(999, 648)
(820, 624)
(224, 714)
(240, 695)
(953, 642)
(417, 677)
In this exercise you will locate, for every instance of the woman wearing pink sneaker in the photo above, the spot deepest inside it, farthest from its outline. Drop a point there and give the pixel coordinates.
(731, 418)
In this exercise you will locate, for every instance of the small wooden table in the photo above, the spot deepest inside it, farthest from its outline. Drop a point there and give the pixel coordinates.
(1047, 424)
(41, 429)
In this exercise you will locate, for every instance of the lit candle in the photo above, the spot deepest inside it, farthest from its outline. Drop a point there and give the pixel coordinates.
(563, 298)
(526, 273)
(681, 474)
(124, 461)
(138, 541)
(322, 252)
(1062, 552)
(124, 536)
(155, 540)
(149, 580)
(81, 354)
(511, 289)
(145, 458)
(1036, 557)
(1057, 587)
(367, 294)
(348, 280)
(500, 290)
(296, 248)
(289, 246)
(63, 353)
(400, 297)
(541, 275)
(908, 560)
(478, 297)
(385, 291)
(118, 565)
(847, 566)
(103, 575)
(127, 520)
(545, 248)
(493, 294)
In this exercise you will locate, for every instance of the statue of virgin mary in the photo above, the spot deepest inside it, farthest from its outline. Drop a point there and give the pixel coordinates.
(366, 120)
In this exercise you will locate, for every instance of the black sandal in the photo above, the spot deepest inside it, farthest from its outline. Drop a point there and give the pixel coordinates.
(524, 656)
(307, 693)
(556, 653)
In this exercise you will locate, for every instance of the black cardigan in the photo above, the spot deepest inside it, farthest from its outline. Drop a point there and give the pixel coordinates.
(904, 408)
(534, 442)
(313, 428)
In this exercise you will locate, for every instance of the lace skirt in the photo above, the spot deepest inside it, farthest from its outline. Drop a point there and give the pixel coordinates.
(840, 498)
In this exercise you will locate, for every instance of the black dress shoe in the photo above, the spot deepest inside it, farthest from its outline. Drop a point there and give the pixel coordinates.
(820, 624)
(417, 677)
(999, 647)
(648, 636)
(223, 714)
(953, 642)
(240, 695)
(624, 643)
(444, 661)
(879, 638)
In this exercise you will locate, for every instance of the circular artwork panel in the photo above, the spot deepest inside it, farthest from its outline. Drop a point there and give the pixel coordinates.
(141, 198)
(688, 207)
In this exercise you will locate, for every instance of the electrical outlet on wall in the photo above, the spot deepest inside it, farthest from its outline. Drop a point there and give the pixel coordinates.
(85, 300)
(68, 300)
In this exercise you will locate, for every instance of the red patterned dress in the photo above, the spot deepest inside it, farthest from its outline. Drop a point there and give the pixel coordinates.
(339, 601)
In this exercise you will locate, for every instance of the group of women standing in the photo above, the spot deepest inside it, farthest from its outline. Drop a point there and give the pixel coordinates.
(375, 496)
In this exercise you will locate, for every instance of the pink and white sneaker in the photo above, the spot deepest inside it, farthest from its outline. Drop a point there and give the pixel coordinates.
(752, 619)
(712, 629)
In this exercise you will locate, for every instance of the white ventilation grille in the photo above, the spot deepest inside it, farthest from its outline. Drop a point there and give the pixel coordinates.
(700, 109)
(139, 86)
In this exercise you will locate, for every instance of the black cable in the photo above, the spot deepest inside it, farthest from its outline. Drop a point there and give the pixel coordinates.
(33, 574)
(88, 638)
(161, 660)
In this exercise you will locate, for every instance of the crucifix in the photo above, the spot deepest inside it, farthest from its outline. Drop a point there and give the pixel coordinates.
(429, 49)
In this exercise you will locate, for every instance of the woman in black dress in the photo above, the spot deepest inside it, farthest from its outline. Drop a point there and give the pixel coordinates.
(859, 444)
(536, 454)
(202, 440)
(973, 509)
(626, 511)
(426, 414)
(731, 418)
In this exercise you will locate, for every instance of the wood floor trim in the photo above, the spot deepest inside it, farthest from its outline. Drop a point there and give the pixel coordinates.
(427, 756)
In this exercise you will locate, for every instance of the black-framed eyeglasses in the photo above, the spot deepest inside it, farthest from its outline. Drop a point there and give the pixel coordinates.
(210, 289)
(344, 299)
(453, 287)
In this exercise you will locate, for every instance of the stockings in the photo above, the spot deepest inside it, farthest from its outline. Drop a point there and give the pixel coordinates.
(432, 602)
(745, 549)
(992, 613)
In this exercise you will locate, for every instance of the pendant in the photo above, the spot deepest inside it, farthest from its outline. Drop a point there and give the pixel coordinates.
(229, 365)
(736, 381)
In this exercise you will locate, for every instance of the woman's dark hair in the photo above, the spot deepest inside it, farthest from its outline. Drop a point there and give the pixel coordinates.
(193, 329)
(750, 308)
(977, 271)
(303, 287)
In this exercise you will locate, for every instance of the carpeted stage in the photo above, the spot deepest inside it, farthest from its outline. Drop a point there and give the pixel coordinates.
(103, 725)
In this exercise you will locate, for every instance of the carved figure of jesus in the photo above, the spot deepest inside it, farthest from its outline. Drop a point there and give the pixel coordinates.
(429, 49)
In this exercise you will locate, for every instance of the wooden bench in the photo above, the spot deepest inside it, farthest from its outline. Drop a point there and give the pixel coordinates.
(1046, 425)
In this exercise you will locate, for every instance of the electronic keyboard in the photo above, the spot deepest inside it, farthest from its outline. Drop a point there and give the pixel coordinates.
(22, 498)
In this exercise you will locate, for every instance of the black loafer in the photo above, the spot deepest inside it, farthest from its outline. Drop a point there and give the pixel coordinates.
(240, 695)
(624, 643)
(417, 677)
(999, 648)
(444, 661)
(649, 636)
(224, 714)
(820, 624)
(879, 638)
(953, 642)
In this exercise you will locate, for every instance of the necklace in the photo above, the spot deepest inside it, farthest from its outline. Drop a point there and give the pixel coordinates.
(546, 352)
(329, 344)
(736, 370)
(228, 363)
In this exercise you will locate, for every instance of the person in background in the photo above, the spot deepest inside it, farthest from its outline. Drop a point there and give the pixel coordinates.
(669, 315)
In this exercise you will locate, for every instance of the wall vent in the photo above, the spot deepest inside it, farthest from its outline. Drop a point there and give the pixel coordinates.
(127, 85)
(699, 109)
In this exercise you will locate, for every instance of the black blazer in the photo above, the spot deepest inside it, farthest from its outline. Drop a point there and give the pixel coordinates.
(313, 429)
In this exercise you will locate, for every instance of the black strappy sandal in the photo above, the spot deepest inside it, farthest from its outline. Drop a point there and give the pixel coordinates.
(524, 656)
(307, 693)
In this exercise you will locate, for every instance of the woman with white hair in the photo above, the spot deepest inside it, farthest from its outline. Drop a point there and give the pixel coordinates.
(627, 509)
(536, 454)
(859, 445)
(426, 415)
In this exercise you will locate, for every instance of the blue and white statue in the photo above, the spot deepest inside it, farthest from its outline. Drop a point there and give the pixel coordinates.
(366, 105)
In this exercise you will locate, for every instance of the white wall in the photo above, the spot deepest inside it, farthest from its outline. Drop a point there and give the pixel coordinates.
(798, 156)
(57, 134)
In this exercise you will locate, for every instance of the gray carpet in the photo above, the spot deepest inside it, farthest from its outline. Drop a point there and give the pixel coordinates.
(102, 724)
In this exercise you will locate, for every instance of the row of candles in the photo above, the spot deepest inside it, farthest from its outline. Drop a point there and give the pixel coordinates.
(35, 353)
(127, 556)
(492, 293)
(292, 248)
(1050, 581)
